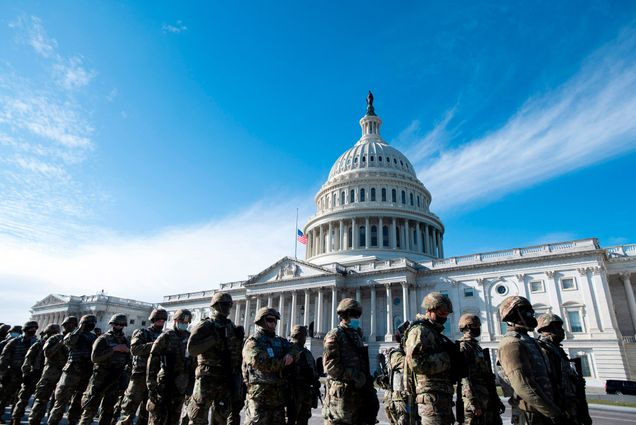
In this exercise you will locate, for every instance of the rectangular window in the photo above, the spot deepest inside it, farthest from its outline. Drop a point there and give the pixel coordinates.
(132, 321)
(383, 195)
(585, 366)
(537, 286)
(469, 292)
(576, 325)
(568, 283)
(143, 323)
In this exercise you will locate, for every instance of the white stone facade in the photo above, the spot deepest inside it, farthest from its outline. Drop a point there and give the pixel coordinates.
(387, 252)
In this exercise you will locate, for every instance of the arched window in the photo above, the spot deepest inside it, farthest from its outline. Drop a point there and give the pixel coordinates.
(393, 195)
(385, 235)
(383, 195)
(333, 199)
(362, 195)
(342, 198)
(374, 235)
(372, 193)
(352, 196)
(403, 197)
(362, 236)
(411, 196)
(372, 158)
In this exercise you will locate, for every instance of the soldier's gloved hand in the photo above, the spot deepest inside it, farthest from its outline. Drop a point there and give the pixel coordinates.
(501, 408)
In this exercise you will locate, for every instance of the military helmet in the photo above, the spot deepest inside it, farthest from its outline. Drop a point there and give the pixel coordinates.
(52, 329)
(30, 324)
(118, 319)
(349, 305)
(510, 304)
(545, 320)
(5, 328)
(182, 314)
(221, 297)
(435, 300)
(264, 312)
(70, 319)
(298, 330)
(158, 314)
(469, 320)
(88, 318)
(15, 328)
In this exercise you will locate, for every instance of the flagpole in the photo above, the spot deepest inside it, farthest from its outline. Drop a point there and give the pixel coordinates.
(296, 237)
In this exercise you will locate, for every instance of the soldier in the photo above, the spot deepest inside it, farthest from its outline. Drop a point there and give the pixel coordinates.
(523, 365)
(564, 377)
(396, 399)
(265, 356)
(168, 373)
(136, 394)
(110, 356)
(55, 356)
(76, 372)
(11, 361)
(304, 386)
(350, 397)
(4, 331)
(12, 332)
(481, 402)
(32, 372)
(433, 359)
(216, 344)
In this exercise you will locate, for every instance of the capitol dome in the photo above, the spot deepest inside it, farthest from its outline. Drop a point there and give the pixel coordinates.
(373, 205)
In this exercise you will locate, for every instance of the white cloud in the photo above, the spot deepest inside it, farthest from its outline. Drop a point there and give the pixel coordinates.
(421, 147)
(177, 28)
(146, 268)
(72, 75)
(587, 120)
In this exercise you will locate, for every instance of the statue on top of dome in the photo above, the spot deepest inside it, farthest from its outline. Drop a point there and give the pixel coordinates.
(370, 109)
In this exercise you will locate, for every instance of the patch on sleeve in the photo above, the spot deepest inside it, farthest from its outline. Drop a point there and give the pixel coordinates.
(270, 352)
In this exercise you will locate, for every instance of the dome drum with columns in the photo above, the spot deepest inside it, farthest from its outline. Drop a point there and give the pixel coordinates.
(373, 205)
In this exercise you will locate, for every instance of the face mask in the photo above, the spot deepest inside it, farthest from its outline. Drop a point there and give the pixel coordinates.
(440, 320)
(527, 319)
(475, 332)
(89, 327)
(354, 323)
(15, 334)
(181, 326)
(30, 332)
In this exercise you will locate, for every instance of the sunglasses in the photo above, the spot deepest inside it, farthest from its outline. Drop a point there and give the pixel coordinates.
(271, 319)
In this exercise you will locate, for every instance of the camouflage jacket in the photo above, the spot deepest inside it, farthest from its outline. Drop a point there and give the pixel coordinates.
(80, 345)
(475, 386)
(342, 358)
(427, 357)
(55, 352)
(564, 376)
(395, 362)
(169, 364)
(526, 370)
(140, 344)
(103, 355)
(34, 359)
(217, 347)
(263, 355)
(14, 353)
(302, 374)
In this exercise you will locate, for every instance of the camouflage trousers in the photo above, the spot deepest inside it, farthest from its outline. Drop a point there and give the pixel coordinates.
(134, 398)
(29, 382)
(104, 389)
(299, 405)
(536, 418)
(209, 392)
(167, 412)
(44, 389)
(10, 386)
(69, 391)
(396, 411)
(487, 418)
(342, 404)
(258, 413)
(435, 408)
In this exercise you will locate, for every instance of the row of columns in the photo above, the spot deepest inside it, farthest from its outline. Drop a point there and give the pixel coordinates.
(243, 309)
(631, 298)
(413, 236)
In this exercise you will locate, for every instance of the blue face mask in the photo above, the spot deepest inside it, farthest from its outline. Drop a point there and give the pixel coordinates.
(15, 334)
(354, 323)
(181, 326)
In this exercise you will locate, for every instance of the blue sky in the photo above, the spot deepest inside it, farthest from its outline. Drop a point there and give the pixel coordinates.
(156, 147)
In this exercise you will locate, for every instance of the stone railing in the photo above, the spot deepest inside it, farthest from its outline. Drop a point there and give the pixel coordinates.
(110, 299)
(532, 251)
(629, 340)
(189, 295)
(233, 285)
(621, 251)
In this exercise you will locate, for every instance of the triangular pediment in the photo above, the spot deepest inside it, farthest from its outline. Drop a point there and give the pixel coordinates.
(288, 269)
(52, 299)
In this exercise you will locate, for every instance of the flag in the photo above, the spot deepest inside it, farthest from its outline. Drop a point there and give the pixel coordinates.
(302, 238)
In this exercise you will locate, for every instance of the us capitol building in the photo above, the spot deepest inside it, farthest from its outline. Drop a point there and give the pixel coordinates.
(374, 238)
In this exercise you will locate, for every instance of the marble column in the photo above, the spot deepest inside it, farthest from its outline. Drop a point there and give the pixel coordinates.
(553, 293)
(393, 233)
(237, 312)
(281, 310)
(258, 302)
(419, 236)
(354, 234)
(372, 336)
(358, 295)
(334, 304)
(427, 241)
(318, 327)
(269, 301)
(441, 245)
(246, 321)
(631, 300)
(407, 240)
(405, 301)
(341, 245)
(367, 233)
(292, 312)
(380, 233)
(307, 304)
(591, 311)
(330, 238)
(322, 242)
(435, 243)
(389, 314)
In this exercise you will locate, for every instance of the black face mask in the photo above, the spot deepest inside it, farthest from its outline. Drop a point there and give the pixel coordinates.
(440, 320)
(89, 327)
(474, 332)
(30, 332)
(527, 319)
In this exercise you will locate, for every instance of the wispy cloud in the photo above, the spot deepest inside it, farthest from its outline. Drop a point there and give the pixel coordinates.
(146, 268)
(177, 28)
(421, 146)
(590, 118)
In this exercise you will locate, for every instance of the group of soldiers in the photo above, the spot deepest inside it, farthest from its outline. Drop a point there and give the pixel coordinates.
(169, 374)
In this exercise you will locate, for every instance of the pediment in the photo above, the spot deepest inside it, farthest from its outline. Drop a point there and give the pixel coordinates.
(288, 269)
(52, 299)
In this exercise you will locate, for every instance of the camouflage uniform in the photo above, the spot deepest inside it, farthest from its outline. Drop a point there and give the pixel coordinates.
(110, 376)
(168, 374)
(55, 355)
(216, 344)
(11, 361)
(429, 356)
(136, 394)
(344, 358)
(303, 382)
(263, 365)
(395, 396)
(524, 367)
(76, 372)
(31, 373)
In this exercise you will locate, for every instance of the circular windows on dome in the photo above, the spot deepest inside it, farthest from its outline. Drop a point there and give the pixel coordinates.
(501, 289)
